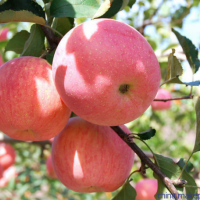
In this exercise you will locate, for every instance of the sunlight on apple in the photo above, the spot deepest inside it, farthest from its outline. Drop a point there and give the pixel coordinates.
(77, 169)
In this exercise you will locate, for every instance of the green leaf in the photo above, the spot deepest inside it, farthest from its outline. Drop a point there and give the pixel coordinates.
(21, 11)
(103, 8)
(127, 192)
(190, 51)
(181, 163)
(174, 68)
(197, 110)
(146, 135)
(50, 56)
(35, 42)
(63, 24)
(74, 8)
(172, 171)
(131, 2)
(114, 9)
(17, 42)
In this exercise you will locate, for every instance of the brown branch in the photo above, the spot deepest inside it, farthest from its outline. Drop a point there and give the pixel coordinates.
(52, 39)
(149, 21)
(177, 98)
(144, 159)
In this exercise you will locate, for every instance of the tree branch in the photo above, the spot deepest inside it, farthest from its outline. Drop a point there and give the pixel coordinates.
(144, 159)
(177, 98)
(52, 39)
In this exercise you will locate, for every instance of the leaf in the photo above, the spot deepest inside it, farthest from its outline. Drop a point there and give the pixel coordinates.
(197, 110)
(16, 43)
(131, 2)
(146, 135)
(190, 51)
(74, 8)
(114, 9)
(21, 11)
(63, 24)
(174, 68)
(172, 171)
(181, 163)
(127, 192)
(35, 42)
(194, 83)
(103, 8)
(50, 56)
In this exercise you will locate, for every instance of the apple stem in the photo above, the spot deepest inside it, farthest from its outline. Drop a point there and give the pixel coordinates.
(144, 159)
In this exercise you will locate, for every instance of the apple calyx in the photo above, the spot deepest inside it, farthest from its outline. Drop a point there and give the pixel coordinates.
(124, 88)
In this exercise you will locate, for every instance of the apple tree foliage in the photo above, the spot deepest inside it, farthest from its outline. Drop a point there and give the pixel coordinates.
(175, 136)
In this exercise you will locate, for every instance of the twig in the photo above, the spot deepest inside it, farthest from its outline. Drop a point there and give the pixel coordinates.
(51, 37)
(177, 98)
(144, 159)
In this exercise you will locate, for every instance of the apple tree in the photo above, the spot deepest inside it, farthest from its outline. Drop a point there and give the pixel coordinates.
(159, 136)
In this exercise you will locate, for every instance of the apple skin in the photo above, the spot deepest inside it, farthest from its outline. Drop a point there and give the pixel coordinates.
(30, 107)
(161, 105)
(7, 175)
(146, 189)
(91, 158)
(3, 34)
(106, 72)
(1, 61)
(7, 155)
(49, 167)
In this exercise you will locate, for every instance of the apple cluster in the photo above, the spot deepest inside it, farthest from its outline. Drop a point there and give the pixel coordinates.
(102, 71)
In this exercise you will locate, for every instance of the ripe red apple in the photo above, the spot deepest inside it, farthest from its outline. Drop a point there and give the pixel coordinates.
(7, 155)
(30, 107)
(146, 189)
(91, 158)
(3, 34)
(7, 175)
(1, 60)
(49, 167)
(106, 72)
(161, 105)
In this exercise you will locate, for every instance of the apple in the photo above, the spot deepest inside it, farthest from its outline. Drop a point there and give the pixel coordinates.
(146, 189)
(7, 155)
(7, 175)
(161, 105)
(49, 167)
(91, 158)
(30, 107)
(106, 72)
(3, 34)
(1, 61)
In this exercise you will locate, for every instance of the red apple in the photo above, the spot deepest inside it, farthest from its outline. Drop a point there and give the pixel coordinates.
(91, 158)
(7, 175)
(49, 167)
(7, 155)
(161, 105)
(146, 189)
(106, 72)
(3, 34)
(30, 107)
(1, 60)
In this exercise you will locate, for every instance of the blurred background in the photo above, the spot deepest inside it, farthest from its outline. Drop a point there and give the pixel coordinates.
(175, 124)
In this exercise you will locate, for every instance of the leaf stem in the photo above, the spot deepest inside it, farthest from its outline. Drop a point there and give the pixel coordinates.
(54, 30)
(184, 167)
